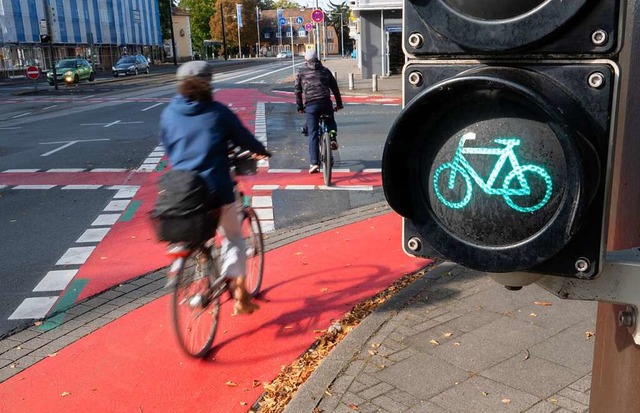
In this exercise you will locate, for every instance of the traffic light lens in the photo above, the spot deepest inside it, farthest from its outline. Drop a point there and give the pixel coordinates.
(498, 181)
(494, 9)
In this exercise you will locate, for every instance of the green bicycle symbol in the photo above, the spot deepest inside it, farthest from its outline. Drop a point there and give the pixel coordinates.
(459, 166)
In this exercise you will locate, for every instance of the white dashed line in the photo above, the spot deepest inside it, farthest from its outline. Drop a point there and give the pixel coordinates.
(261, 202)
(109, 170)
(341, 170)
(75, 255)
(347, 188)
(105, 219)
(93, 235)
(152, 106)
(18, 171)
(81, 186)
(376, 170)
(285, 171)
(119, 205)
(264, 214)
(265, 187)
(36, 307)
(55, 280)
(20, 115)
(62, 170)
(124, 191)
(34, 186)
(300, 187)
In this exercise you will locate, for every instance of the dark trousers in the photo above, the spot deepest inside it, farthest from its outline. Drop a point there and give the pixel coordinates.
(312, 114)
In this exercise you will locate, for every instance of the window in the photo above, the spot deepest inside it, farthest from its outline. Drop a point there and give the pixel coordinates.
(289, 33)
(330, 34)
(302, 33)
(278, 34)
(330, 47)
(267, 35)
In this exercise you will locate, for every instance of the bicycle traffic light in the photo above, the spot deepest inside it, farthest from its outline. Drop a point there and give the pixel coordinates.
(499, 159)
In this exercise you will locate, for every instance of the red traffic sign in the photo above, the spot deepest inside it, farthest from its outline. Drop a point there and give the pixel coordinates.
(317, 15)
(33, 72)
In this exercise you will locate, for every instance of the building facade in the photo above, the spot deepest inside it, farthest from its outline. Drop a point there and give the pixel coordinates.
(100, 30)
(378, 36)
(275, 37)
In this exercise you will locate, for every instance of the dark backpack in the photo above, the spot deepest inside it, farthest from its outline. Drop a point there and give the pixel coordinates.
(182, 211)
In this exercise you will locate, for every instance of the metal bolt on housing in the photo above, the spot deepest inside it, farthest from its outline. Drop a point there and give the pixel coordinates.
(415, 78)
(416, 40)
(414, 244)
(599, 37)
(596, 80)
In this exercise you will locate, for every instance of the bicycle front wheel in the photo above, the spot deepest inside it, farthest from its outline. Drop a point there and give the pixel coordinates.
(325, 148)
(252, 233)
(195, 308)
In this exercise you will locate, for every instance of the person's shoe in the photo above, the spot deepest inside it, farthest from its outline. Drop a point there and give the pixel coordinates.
(304, 130)
(334, 141)
(314, 169)
(243, 304)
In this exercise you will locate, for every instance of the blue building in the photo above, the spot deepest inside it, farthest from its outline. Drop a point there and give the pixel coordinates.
(100, 30)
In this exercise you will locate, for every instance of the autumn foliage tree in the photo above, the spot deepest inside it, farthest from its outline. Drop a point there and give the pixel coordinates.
(248, 31)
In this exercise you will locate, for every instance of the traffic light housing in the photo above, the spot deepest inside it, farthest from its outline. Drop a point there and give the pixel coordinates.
(499, 158)
(45, 38)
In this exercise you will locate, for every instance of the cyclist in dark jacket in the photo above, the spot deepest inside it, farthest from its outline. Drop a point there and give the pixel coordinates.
(313, 87)
(195, 132)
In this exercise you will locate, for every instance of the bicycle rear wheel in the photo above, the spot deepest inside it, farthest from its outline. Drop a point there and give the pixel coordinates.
(325, 147)
(195, 307)
(252, 232)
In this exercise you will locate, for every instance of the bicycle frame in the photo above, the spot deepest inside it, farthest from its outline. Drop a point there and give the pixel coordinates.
(505, 154)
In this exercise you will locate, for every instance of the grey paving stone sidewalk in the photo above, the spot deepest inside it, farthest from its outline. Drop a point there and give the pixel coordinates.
(455, 341)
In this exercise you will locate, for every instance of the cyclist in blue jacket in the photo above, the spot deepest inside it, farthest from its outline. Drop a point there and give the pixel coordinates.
(195, 132)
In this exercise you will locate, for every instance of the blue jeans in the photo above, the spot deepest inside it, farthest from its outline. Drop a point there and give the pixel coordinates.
(312, 114)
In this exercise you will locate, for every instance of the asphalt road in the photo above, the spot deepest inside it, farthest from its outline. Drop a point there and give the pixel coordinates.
(73, 160)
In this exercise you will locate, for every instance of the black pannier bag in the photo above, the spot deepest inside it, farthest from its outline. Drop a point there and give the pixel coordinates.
(182, 212)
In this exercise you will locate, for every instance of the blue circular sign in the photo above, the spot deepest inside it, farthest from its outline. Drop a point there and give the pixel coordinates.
(299, 20)
(283, 21)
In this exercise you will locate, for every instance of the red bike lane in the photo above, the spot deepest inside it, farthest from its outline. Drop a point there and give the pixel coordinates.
(134, 364)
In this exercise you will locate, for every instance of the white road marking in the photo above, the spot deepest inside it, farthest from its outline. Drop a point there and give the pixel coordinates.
(18, 171)
(146, 168)
(50, 107)
(55, 280)
(152, 160)
(32, 308)
(341, 170)
(152, 106)
(266, 213)
(347, 188)
(65, 170)
(267, 225)
(75, 255)
(67, 144)
(21, 115)
(157, 154)
(115, 122)
(266, 74)
(93, 235)
(109, 170)
(105, 219)
(81, 186)
(10, 127)
(261, 202)
(265, 187)
(377, 170)
(2, 186)
(34, 186)
(120, 205)
(125, 191)
(285, 171)
(299, 187)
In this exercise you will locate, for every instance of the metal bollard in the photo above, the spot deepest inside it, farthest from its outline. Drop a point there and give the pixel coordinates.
(351, 77)
(374, 83)
(335, 74)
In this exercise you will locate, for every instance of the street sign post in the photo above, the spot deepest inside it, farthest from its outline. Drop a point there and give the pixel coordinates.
(33, 73)
(317, 15)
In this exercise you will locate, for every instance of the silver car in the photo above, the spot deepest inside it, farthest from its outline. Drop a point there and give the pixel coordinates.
(131, 65)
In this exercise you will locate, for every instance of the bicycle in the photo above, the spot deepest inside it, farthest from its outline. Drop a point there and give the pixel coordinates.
(324, 147)
(197, 281)
(460, 165)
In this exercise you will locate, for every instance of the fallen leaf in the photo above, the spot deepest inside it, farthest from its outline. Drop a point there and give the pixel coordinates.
(231, 383)
(533, 315)
(243, 403)
(256, 383)
(381, 366)
(434, 342)
(297, 253)
(447, 335)
(37, 323)
(18, 348)
(527, 356)
(324, 290)
(65, 394)
(12, 366)
(484, 393)
(543, 303)
(288, 327)
(589, 334)
(552, 400)
(353, 406)
(52, 354)
(506, 401)
(328, 392)
(457, 343)
(375, 345)
(372, 352)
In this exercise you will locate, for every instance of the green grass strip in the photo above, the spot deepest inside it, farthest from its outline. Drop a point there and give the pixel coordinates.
(64, 303)
(130, 211)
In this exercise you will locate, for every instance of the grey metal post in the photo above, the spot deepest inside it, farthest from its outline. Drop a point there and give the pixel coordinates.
(351, 81)
(374, 82)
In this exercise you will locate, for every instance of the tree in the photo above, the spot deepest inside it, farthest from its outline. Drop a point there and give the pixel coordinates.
(340, 24)
(165, 19)
(248, 34)
(284, 4)
(200, 12)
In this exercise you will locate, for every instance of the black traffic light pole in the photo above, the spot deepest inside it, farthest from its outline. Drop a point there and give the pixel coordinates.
(224, 37)
(173, 39)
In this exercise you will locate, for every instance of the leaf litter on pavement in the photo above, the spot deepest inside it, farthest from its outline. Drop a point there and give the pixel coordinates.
(281, 390)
